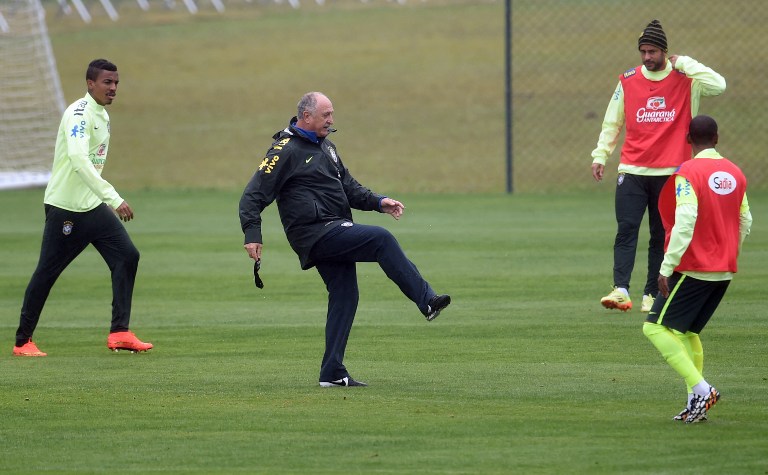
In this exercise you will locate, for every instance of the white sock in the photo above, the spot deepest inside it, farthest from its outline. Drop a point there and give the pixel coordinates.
(622, 289)
(690, 396)
(702, 388)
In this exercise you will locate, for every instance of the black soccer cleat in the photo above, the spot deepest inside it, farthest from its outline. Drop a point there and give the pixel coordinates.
(436, 305)
(345, 381)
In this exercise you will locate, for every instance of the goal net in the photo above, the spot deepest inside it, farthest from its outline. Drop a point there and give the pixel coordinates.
(31, 99)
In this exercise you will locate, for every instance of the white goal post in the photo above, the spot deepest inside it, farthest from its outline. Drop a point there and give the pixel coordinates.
(31, 98)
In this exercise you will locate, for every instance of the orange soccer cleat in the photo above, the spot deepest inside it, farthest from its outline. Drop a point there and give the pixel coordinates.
(28, 349)
(126, 341)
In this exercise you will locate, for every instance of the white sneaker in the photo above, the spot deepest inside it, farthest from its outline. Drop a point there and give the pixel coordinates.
(647, 303)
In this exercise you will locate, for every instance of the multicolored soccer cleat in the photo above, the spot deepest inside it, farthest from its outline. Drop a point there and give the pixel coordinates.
(126, 341)
(618, 300)
(28, 349)
(684, 415)
(700, 405)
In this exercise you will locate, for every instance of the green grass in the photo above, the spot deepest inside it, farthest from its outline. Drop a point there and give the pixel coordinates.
(523, 373)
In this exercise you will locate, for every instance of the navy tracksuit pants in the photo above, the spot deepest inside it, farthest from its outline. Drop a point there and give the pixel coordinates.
(335, 256)
(66, 235)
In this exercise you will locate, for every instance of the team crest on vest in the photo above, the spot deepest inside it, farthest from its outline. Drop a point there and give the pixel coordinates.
(67, 228)
(722, 183)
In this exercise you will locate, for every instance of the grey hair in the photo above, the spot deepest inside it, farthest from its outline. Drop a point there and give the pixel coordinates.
(308, 103)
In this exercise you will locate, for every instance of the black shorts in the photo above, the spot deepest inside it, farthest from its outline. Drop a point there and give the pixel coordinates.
(690, 304)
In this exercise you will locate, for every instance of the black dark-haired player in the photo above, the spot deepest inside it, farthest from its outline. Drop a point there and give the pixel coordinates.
(82, 208)
(708, 195)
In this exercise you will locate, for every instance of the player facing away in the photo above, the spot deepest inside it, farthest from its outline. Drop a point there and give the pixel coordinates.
(82, 208)
(706, 195)
(315, 195)
(654, 102)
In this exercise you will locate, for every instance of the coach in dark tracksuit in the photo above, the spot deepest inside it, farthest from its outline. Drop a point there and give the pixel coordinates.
(315, 195)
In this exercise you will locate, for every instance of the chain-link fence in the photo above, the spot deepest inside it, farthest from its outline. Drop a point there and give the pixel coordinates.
(566, 59)
(567, 56)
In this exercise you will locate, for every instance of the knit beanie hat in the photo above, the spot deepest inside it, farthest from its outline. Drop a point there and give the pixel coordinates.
(653, 35)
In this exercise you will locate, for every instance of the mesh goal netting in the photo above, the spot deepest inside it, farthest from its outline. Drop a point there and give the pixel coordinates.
(31, 99)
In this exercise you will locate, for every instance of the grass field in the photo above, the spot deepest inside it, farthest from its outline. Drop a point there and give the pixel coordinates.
(524, 373)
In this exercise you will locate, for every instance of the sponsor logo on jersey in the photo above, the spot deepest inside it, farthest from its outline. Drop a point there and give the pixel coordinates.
(655, 111)
(722, 183)
(67, 228)
(78, 131)
(98, 163)
(684, 190)
(268, 165)
(80, 108)
(629, 73)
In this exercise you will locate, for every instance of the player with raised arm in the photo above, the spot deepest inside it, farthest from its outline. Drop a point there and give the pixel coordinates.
(654, 102)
